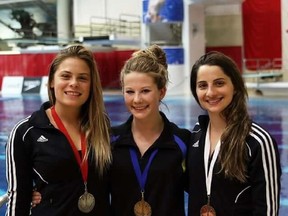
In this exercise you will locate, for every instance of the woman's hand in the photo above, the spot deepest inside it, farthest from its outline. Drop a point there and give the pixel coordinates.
(36, 198)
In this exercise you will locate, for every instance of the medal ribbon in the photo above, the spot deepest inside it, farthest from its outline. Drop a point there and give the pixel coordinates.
(209, 173)
(83, 164)
(141, 177)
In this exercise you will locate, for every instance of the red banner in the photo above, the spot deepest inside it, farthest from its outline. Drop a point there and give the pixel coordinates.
(262, 29)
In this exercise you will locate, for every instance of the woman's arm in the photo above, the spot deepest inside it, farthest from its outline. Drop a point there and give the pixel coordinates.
(264, 173)
(18, 172)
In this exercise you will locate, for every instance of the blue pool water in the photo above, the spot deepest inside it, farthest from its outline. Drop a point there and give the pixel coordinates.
(271, 113)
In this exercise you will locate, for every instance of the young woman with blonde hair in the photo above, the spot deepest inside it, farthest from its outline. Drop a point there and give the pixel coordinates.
(63, 149)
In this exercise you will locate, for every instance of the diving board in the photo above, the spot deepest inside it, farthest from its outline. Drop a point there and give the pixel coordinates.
(263, 74)
(269, 89)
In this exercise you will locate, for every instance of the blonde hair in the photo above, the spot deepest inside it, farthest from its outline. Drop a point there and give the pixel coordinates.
(151, 61)
(94, 122)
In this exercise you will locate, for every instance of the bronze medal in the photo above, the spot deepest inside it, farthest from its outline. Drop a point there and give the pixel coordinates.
(142, 208)
(207, 210)
(86, 202)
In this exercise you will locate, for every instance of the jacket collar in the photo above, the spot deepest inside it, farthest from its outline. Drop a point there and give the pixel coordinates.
(203, 121)
(164, 141)
(39, 118)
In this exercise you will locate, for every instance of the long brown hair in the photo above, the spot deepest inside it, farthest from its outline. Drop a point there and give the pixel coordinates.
(94, 122)
(233, 154)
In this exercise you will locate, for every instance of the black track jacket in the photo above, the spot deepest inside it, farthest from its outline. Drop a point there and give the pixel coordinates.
(37, 153)
(164, 189)
(258, 196)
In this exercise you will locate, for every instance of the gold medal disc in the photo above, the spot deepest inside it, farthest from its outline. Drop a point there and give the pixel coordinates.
(207, 210)
(86, 202)
(142, 208)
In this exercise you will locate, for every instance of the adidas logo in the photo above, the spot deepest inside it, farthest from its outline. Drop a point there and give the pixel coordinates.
(42, 139)
(196, 144)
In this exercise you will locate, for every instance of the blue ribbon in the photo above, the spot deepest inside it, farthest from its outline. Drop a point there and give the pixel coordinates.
(141, 177)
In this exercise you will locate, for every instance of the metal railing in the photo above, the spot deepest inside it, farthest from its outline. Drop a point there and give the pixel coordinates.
(262, 63)
(262, 70)
(126, 25)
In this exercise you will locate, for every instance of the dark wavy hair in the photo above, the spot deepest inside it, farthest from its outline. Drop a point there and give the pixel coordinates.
(233, 153)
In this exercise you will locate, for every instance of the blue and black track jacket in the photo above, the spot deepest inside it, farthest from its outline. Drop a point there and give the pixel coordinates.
(258, 196)
(164, 189)
(39, 155)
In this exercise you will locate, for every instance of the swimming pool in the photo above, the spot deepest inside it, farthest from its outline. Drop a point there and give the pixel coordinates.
(269, 112)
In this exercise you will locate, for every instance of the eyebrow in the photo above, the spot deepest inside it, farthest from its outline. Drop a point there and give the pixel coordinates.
(201, 81)
(82, 73)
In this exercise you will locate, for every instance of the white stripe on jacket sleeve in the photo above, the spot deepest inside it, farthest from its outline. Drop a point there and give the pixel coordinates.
(11, 169)
(269, 162)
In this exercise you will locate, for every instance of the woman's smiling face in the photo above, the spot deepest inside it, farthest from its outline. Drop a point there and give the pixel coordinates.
(214, 88)
(141, 94)
(71, 82)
